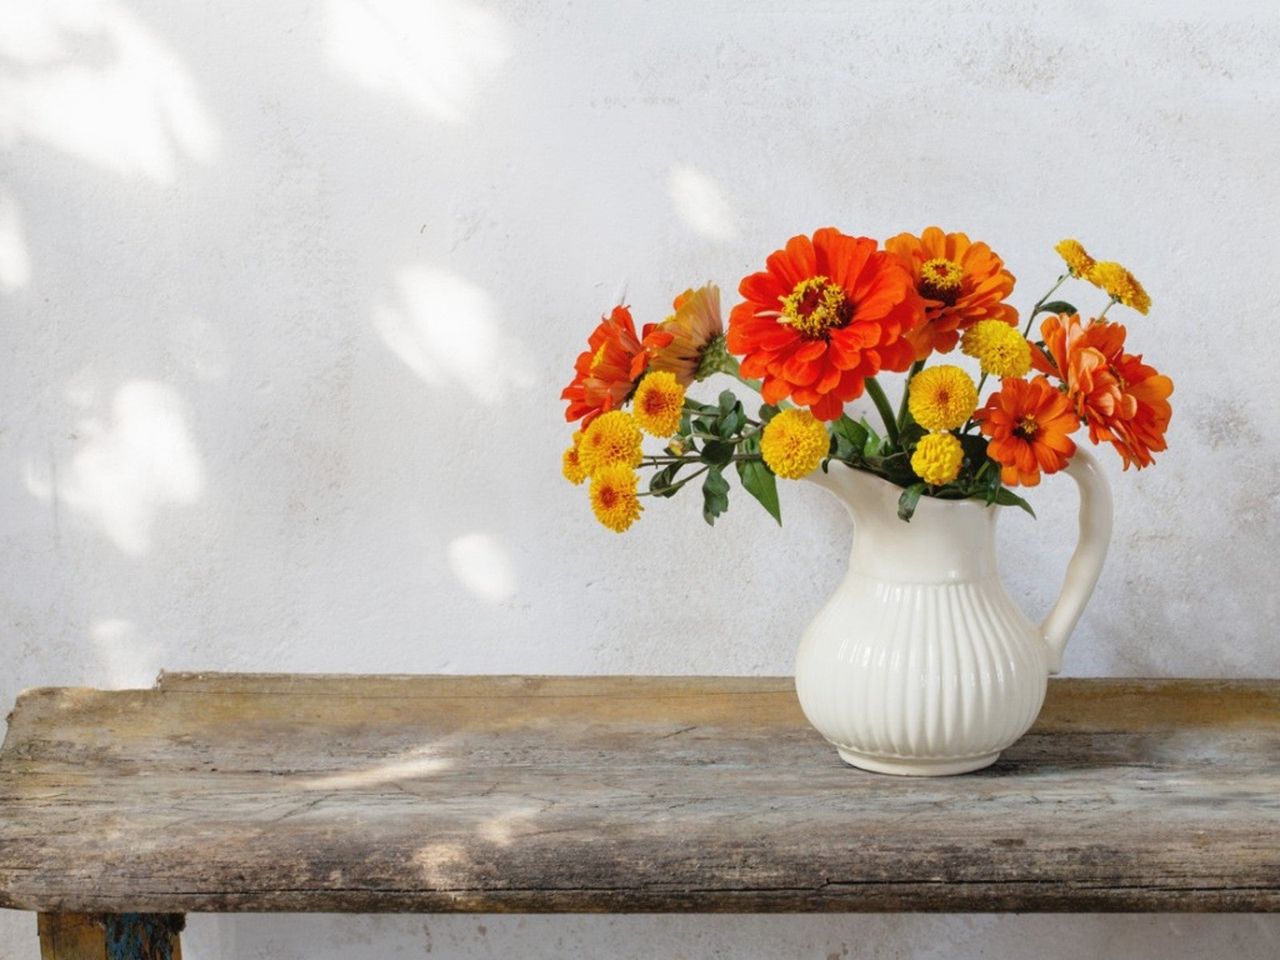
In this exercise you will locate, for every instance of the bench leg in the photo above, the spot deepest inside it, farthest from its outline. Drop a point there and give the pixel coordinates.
(111, 936)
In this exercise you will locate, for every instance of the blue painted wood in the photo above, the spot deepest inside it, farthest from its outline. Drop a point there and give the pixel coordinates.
(143, 936)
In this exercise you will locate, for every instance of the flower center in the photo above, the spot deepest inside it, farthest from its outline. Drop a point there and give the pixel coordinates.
(655, 402)
(815, 306)
(608, 497)
(1027, 429)
(940, 280)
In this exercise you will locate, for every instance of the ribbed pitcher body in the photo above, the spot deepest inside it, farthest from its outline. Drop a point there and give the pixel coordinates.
(920, 663)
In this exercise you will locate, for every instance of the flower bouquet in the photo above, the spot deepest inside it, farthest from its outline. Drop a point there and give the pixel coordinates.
(920, 663)
(818, 327)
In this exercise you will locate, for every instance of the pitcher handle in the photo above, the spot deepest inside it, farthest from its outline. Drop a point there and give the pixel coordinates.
(1086, 562)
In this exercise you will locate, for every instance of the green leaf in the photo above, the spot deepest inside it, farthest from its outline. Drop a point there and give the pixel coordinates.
(1057, 306)
(727, 401)
(717, 452)
(729, 424)
(974, 446)
(759, 481)
(715, 496)
(911, 434)
(872, 447)
(896, 468)
(660, 484)
(908, 500)
(1007, 498)
(840, 449)
(703, 408)
(768, 411)
(851, 431)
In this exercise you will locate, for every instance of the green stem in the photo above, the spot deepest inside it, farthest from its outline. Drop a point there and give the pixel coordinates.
(1041, 302)
(736, 439)
(1110, 303)
(886, 410)
(653, 461)
(904, 408)
(675, 486)
(693, 476)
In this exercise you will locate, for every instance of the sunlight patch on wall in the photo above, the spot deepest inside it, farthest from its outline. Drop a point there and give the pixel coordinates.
(130, 467)
(15, 262)
(434, 53)
(88, 78)
(701, 203)
(483, 565)
(446, 330)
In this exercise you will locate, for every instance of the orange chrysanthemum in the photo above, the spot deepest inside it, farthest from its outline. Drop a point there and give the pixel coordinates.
(1123, 401)
(824, 315)
(961, 282)
(1028, 423)
(678, 343)
(605, 373)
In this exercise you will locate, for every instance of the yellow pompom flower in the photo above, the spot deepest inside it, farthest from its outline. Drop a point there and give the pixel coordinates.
(1121, 285)
(1078, 261)
(942, 397)
(613, 496)
(794, 443)
(658, 402)
(999, 348)
(613, 437)
(937, 458)
(571, 465)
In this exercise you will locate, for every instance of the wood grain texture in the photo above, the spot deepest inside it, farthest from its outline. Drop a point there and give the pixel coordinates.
(130, 936)
(366, 794)
(72, 936)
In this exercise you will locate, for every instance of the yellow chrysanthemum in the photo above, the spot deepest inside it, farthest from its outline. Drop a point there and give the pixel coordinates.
(942, 397)
(999, 348)
(1120, 285)
(794, 443)
(571, 465)
(658, 402)
(1078, 261)
(937, 458)
(613, 496)
(613, 437)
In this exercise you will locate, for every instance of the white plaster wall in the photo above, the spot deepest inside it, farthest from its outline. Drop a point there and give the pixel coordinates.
(288, 291)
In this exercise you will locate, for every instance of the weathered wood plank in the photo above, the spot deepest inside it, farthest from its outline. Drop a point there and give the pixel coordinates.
(304, 793)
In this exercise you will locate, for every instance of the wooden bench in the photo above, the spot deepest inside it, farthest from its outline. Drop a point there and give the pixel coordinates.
(121, 811)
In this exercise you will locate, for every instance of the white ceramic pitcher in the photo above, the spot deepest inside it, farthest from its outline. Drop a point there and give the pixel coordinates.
(920, 664)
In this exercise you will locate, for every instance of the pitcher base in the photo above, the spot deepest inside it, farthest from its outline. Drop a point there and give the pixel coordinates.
(904, 767)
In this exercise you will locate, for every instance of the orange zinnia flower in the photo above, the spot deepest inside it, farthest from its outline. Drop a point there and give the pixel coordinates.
(824, 315)
(605, 373)
(1124, 401)
(1028, 423)
(677, 344)
(961, 282)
